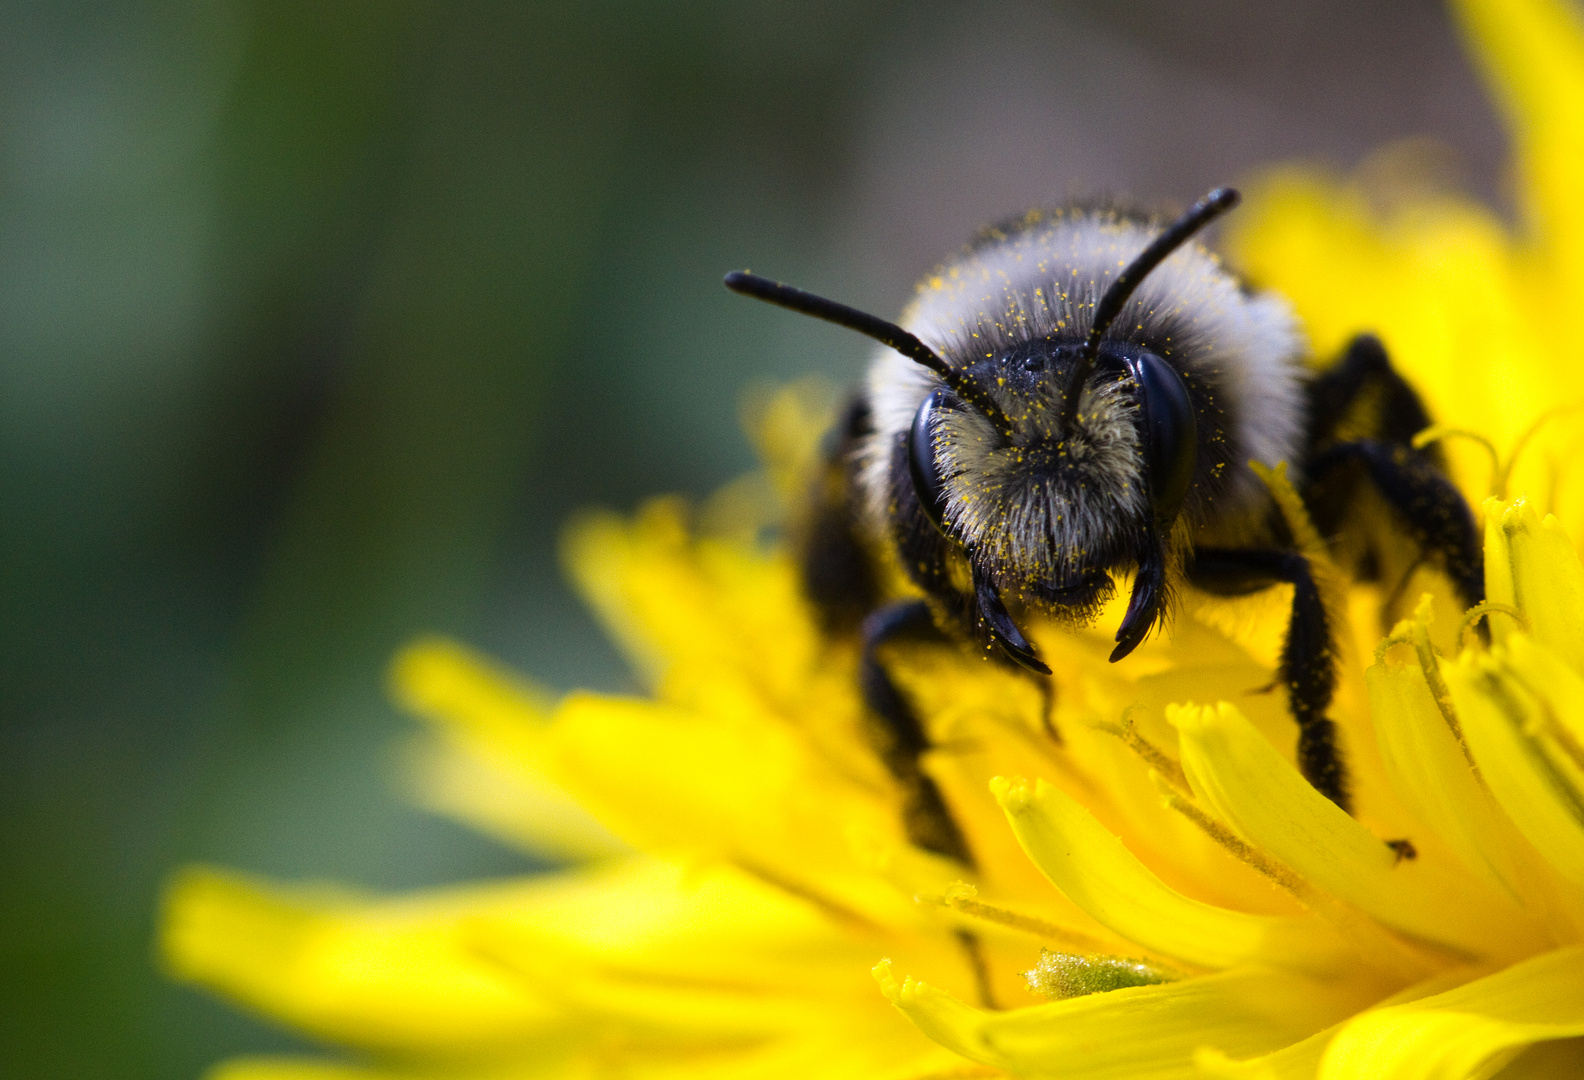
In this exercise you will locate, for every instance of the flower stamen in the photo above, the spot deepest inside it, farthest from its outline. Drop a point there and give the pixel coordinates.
(1484, 608)
(1437, 432)
(1152, 755)
(1501, 471)
(1416, 632)
(1230, 842)
(963, 898)
(841, 913)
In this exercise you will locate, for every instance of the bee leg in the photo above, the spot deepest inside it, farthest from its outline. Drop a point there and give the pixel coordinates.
(899, 739)
(898, 736)
(1362, 419)
(1364, 376)
(1428, 505)
(1047, 691)
(997, 624)
(1308, 657)
(837, 572)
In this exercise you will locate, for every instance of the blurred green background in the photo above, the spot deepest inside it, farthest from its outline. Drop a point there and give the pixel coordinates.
(317, 318)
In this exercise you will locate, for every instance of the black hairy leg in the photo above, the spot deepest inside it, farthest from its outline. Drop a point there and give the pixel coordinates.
(1428, 505)
(1308, 657)
(899, 739)
(1362, 394)
(839, 579)
(837, 572)
(1363, 417)
(897, 734)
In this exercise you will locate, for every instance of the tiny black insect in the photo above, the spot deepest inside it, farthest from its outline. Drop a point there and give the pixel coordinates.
(1079, 395)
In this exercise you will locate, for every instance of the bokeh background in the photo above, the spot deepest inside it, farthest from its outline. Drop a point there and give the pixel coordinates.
(317, 317)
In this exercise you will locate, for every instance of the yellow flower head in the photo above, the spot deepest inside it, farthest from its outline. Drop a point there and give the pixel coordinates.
(1157, 891)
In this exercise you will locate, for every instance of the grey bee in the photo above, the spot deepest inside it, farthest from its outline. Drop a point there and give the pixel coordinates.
(1076, 397)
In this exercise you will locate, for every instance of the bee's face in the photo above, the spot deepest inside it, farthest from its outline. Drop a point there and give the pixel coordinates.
(1047, 513)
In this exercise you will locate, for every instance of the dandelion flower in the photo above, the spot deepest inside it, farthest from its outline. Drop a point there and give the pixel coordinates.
(1157, 892)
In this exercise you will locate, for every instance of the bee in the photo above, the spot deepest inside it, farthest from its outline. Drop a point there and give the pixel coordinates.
(1077, 398)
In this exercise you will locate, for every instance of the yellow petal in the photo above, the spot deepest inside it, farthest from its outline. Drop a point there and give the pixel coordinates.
(721, 627)
(1235, 771)
(1539, 792)
(1139, 1032)
(448, 684)
(699, 957)
(488, 762)
(1430, 774)
(940, 1016)
(735, 786)
(402, 978)
(1533, 55)
(1499, 585)
(1562, 688)
(1300, 1060)
(719, 970)
(1094, 869)
(640, 950)
(1547, 581)
(836, 1052)
(1468, 1030)
(788, 427)
(651, 918)
(529, 812)
(1296, 1061)
(692, 610)
(1431, 276)
(982, 717)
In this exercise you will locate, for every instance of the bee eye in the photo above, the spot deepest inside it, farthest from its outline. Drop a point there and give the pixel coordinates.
(1168, 430)
(927, 479)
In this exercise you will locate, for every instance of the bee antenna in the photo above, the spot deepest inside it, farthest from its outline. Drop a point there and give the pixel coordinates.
(1120, 291)
(886, 333)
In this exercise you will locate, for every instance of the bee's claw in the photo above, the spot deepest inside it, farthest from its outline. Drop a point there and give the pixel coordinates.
(1003, 629)
(1143, 608)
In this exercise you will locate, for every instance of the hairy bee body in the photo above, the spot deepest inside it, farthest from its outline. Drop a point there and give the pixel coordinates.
(1076, 400)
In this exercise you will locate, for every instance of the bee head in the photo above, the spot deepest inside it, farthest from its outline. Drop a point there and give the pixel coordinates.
(1054, 461)
(1047, 508)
